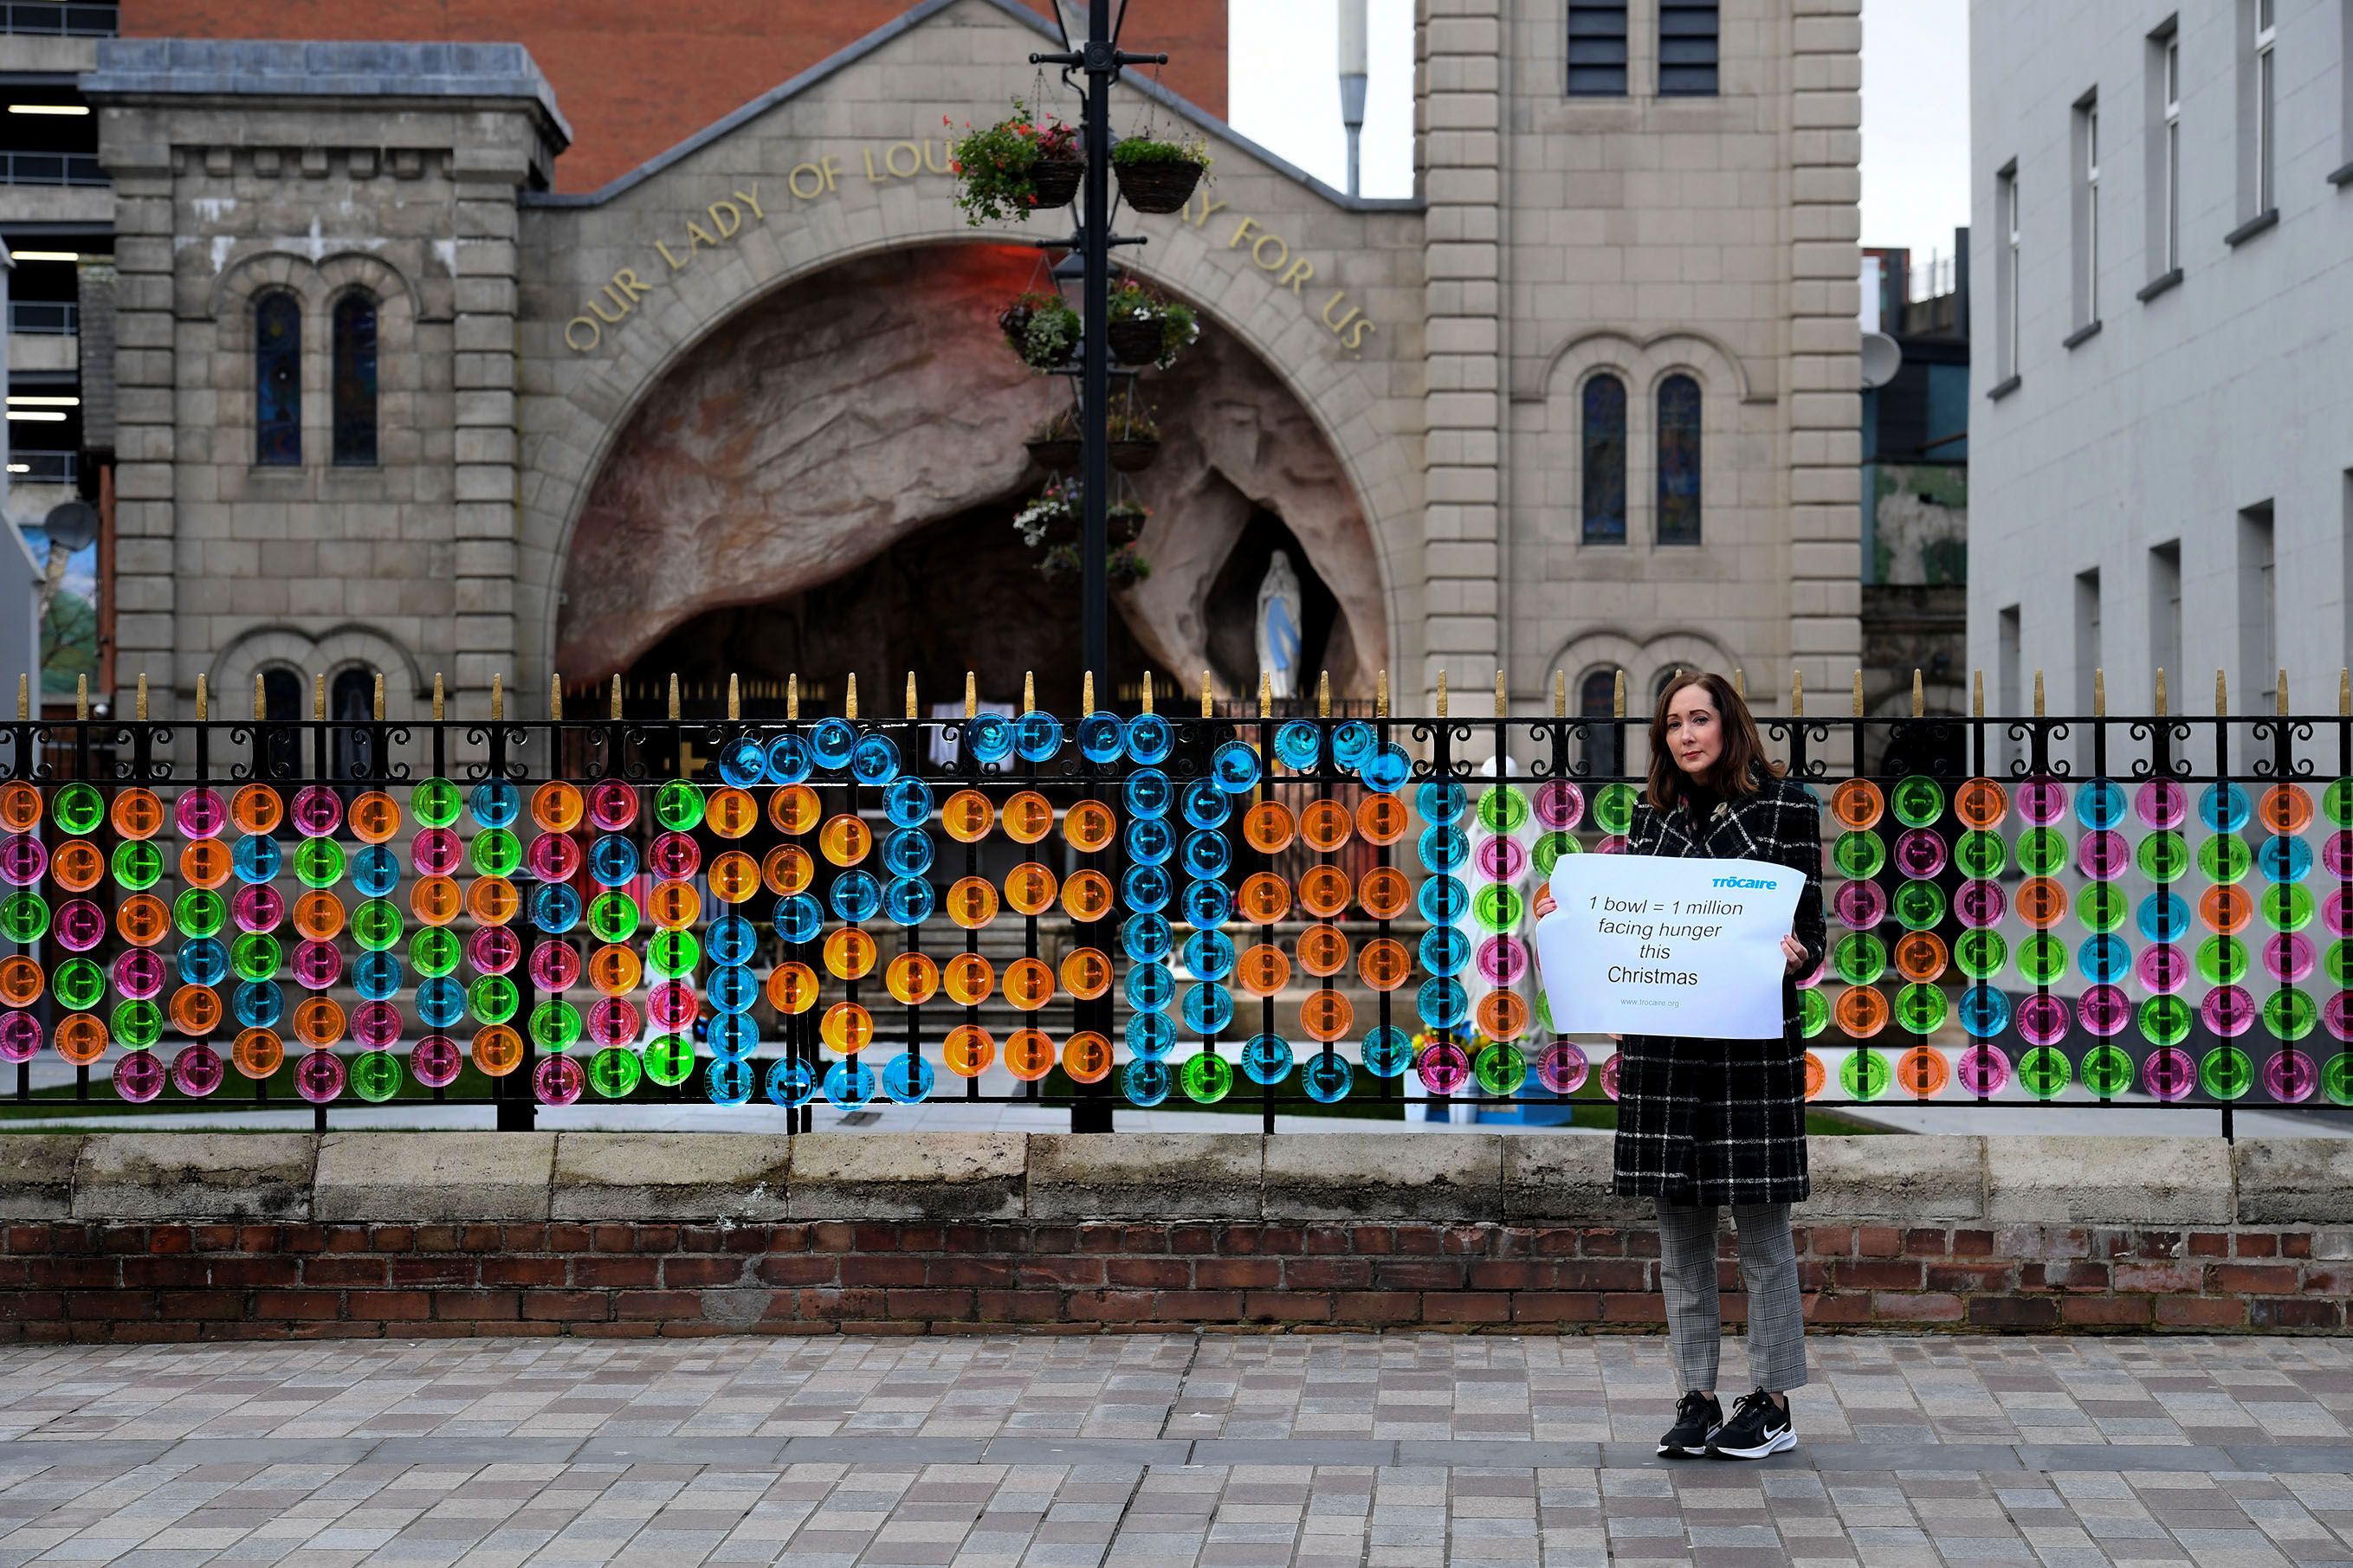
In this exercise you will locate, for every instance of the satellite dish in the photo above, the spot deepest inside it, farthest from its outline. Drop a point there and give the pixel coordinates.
(1881, 356)
(71, 524)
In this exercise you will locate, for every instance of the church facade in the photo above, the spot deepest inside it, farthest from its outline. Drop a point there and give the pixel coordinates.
(389, 398)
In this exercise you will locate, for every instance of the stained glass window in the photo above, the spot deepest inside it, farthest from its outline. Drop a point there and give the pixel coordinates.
(1605, 460)
(1597, 701)
(1679, 460)
(278, 381)
(354, 387)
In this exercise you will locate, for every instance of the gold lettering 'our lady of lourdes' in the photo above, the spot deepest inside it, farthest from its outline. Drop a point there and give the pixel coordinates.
(722, 221)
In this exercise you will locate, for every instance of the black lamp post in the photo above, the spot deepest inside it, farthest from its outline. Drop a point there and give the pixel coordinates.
(1099, 61)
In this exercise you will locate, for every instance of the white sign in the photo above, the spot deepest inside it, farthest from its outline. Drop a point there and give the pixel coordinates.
(1649, 944)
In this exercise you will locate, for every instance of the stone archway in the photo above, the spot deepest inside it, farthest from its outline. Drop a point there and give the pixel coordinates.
(831, 423)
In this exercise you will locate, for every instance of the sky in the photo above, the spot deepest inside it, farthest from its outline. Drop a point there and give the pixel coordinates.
(1284, 93)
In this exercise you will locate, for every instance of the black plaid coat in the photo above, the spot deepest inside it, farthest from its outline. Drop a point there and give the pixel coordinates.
(1724, 1122)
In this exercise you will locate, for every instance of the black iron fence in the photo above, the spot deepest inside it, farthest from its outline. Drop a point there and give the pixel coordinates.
(1317, 913)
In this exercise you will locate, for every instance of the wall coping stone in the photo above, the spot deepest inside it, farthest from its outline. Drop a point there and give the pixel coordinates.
(322, 68)
(1533, 1178)
(669, 1176)
(195, 1176)
(406, 1177)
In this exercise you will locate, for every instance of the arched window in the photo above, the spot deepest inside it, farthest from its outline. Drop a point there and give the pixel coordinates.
(278, 381)
(351, 703)
(1679, 460)
(1597, 702)
(355, 382)
(1604, 461)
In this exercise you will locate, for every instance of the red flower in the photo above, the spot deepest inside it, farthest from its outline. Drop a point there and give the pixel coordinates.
(954, 166)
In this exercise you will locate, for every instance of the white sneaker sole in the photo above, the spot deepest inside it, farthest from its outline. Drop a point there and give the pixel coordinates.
(1680, 1450)
(1781, 1442)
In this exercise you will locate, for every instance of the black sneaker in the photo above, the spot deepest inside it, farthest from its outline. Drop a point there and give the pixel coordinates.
(1758, 1428)
(1697, 1414)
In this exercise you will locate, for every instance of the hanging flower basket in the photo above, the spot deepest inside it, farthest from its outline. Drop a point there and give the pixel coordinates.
(1042, 329)
(1158, 176)
(1149, 329)
(1059, 454)
(1135, 442)
(997, 167)
(1124, 567)
(1055, 182)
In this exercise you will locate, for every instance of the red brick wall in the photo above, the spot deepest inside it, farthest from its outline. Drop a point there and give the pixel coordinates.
(123, 1281)
(636, 78)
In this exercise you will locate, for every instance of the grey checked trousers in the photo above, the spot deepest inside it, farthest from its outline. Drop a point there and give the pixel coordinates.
(1769, 1269)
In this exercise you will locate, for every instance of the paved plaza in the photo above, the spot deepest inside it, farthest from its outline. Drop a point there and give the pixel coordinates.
(1164, 1452)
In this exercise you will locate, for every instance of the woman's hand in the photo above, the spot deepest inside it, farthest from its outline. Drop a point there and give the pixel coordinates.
(1544, 904)
(1793, 954)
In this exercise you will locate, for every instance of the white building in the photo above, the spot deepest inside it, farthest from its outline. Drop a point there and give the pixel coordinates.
(2161, 438)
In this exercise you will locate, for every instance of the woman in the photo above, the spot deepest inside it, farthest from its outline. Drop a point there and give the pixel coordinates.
(1709, 1122)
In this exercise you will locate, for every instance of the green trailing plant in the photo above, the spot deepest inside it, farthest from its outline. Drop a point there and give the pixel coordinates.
(1153, 150)
(1179, 329)
(1043, 329)
(996, 167)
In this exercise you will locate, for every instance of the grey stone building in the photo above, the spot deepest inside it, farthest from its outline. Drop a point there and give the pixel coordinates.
(387, 402)
(2161, 442)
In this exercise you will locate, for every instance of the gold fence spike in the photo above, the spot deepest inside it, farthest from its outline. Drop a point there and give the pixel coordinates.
(376, 702)
(1087, 692)
(1029, 692)
(1858, 694)
(439, 700)
(1977, 692)
(82, 695)
(554, 697)
(913, 712)
(849, 697)
(1740, 683)
(2283, 692)
(674, 694)
(139, 702)
(1381, 696)
(971, 695)
(1559, 695)
(792, 696)
(1147, 691)
(2343, 691)
(1796, 694)
(497, 697)
(1503, 705)
(318, 696)
(1323, 695)
(1441, 694)
(24, 697)
(2099, 692)
(203, 699)
(261, 703)
(1919, 695)
(734, 696)
(1208, 701)
(1265, 694)
(616, 695)
(2222, 695)
(1618, 696)
(2038, 694)
(2160, 691)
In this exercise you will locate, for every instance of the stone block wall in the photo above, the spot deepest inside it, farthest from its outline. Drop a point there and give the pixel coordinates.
(129, 1236)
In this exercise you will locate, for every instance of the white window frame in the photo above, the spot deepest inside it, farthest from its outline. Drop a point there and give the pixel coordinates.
(2266, 133)
(2091, 260)
(2172, 134)
(2010, 288)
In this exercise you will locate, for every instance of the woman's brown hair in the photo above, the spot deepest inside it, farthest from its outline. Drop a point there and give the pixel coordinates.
(1742, 767)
